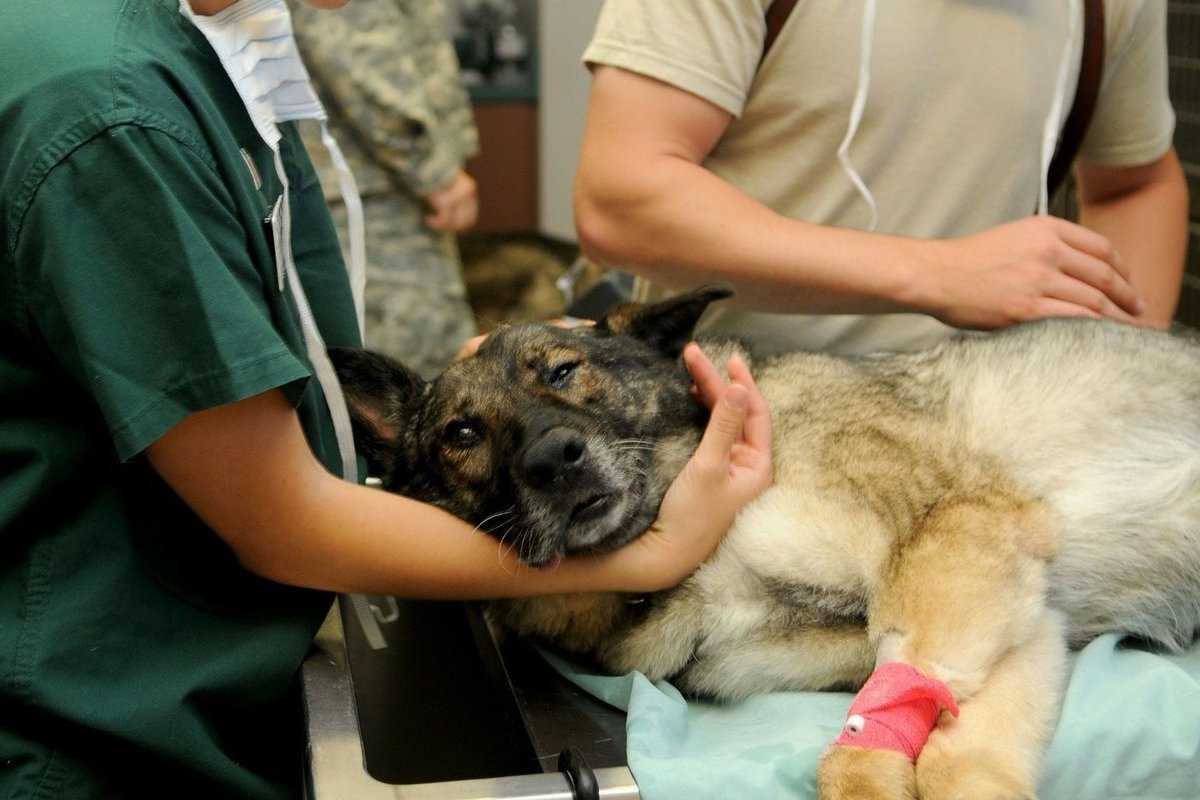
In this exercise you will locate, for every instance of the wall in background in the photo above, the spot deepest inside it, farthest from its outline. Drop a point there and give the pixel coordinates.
(564, 29)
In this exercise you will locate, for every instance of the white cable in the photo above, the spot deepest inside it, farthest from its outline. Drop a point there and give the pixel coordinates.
(357, 268)
(322, 367)
(856, 111)
(1054, 119)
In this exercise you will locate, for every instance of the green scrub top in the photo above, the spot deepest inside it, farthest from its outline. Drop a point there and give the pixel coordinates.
(137, 285)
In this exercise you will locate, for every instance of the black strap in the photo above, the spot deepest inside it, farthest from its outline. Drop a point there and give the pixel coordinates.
(777, 14)
(1091, 69)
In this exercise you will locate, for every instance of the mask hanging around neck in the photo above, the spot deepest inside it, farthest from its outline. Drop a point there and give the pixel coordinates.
(255, 44)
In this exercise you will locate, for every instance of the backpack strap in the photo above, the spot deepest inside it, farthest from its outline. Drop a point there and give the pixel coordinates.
(777, 14)
(1091, 69)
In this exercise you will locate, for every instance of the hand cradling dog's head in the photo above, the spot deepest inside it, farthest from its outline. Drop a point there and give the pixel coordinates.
(556, 441)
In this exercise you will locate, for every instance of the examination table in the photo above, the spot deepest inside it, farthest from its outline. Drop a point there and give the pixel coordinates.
(447, 711)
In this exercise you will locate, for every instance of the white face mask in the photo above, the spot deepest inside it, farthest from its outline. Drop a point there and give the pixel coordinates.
(254, 41)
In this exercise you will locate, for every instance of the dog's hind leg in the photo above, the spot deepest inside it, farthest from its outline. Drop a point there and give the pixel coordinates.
(962, 602)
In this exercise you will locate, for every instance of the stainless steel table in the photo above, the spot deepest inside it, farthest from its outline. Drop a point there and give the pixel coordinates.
(424, 701)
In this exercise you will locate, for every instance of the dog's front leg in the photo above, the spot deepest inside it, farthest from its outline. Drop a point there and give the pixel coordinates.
(994, 748)
(960, 605)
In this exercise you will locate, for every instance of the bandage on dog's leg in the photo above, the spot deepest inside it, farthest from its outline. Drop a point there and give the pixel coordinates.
(896, 710)
(961, 593)
(886, 727)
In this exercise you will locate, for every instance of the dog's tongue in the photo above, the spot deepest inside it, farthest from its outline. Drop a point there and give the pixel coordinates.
(552, 564)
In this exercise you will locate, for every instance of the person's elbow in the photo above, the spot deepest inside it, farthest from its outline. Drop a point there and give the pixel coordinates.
(598, 228)
(614, 221)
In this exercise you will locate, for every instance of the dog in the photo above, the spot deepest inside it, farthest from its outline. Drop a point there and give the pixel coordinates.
(972, 511)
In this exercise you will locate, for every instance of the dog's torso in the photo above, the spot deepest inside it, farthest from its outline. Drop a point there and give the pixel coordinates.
(1100, 423)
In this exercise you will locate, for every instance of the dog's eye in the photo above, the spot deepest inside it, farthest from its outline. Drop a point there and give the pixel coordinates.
(462, 434)
(560, 376)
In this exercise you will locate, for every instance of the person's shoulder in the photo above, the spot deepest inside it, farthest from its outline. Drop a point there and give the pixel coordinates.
(76, 70)
(71, 59)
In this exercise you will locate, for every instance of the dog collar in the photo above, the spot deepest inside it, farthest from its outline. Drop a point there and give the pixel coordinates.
(896, 709)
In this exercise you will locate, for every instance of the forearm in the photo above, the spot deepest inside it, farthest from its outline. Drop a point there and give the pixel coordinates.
(1147, 225)
(247, 471)
(358, 539)
(675, 222)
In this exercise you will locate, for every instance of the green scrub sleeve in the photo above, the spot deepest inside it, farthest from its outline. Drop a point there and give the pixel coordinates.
(139, 276)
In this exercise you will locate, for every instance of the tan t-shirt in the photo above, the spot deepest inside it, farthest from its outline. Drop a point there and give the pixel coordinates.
(950, 138)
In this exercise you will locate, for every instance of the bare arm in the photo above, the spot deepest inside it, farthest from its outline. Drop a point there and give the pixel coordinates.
(1142, 210)
(644, 201)
(247, 471)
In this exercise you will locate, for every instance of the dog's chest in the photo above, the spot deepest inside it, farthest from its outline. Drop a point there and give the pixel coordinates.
(792, 558)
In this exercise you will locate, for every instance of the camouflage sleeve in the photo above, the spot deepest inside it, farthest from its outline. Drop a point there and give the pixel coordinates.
(389, 75)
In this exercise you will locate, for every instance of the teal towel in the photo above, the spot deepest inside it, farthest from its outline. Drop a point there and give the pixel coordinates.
(1130, 729)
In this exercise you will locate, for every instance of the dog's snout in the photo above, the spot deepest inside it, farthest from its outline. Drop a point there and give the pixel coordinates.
(556, 453)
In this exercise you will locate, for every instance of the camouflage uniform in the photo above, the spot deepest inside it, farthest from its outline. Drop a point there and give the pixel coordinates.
(389, 78)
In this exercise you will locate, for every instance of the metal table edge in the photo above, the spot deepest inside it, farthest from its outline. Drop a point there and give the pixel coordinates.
(336, 764)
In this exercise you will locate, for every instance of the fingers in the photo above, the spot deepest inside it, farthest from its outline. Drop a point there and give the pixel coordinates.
(1098, 281)
(1101, 280)
(455, 206)
(739, 411)
(710, 386)
(1072, 297)
(757, 429)
(708, 381)
(1032, 268)
(1088, 241)
(725, 424)
(470, 347)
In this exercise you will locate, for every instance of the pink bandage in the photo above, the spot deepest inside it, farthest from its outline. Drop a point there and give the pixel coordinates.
(896, 710)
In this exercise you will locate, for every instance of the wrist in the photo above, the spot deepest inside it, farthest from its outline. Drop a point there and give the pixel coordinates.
(914, 267)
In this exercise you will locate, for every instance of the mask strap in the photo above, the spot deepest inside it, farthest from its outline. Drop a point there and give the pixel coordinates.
(322, 367)
(357, 268)
(856, 111)
(1052, 128)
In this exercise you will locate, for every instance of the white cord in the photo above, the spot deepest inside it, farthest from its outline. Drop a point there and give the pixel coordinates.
(1054, 119)
(856, 111)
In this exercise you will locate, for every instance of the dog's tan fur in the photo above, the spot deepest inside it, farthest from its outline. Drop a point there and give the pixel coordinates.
(972, 511)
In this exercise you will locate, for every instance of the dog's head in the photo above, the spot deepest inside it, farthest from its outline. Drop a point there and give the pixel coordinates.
(557, 441)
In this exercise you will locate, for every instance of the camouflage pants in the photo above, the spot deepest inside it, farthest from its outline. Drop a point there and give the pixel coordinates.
(416, 306)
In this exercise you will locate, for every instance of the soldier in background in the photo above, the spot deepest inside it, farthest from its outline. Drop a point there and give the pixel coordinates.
(388, 76)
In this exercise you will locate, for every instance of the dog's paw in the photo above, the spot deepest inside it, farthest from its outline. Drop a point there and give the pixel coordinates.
(855, 773)
(945, 775)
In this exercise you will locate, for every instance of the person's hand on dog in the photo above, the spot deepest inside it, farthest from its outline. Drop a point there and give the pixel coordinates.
(1031, 268)
(471, 346)
(731, 466)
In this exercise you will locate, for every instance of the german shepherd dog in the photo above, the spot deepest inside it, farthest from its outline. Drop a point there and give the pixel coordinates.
(973, 511)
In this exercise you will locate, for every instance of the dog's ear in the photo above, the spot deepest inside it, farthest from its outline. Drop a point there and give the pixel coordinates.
(379, 391)
(668, 324)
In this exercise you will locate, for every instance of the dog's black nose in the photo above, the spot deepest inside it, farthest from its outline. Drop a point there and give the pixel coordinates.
(556, 454)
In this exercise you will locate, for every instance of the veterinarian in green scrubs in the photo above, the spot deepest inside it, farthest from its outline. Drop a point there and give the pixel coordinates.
(172, 516)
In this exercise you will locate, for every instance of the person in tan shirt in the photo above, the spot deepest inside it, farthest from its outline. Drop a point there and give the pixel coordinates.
(873, 183)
